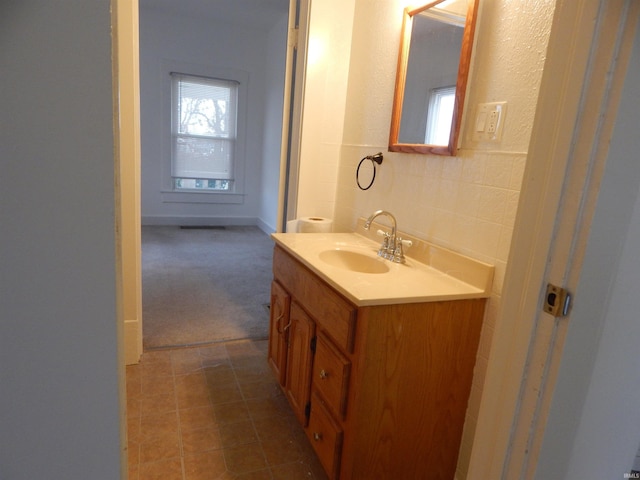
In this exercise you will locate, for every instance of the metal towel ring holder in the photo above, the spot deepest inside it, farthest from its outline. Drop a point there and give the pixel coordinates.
(377, 158)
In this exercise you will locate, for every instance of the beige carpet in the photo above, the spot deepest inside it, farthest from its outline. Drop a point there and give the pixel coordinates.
(204, 285)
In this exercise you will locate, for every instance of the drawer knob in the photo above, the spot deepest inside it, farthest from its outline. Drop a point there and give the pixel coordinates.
(323, 374)
(317, 436)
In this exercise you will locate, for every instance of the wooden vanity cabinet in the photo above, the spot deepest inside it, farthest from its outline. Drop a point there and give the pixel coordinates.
(384, 388)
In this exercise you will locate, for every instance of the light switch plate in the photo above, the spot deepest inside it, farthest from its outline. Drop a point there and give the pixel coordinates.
(489, 122)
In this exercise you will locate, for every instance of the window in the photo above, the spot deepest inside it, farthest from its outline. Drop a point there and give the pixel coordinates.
(440, 115)
(203, 132)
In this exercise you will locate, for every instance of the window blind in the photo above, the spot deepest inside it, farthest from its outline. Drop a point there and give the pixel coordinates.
(204, 114)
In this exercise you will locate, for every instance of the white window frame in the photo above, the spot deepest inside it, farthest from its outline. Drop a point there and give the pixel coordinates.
(186, 163)
(169, 193)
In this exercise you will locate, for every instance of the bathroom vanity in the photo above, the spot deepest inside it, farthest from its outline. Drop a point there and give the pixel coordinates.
(376, 361)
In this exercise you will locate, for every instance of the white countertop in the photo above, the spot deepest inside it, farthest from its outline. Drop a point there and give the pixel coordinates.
(439, 275)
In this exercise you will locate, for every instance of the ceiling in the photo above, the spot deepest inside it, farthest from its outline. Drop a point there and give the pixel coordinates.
(252, 13)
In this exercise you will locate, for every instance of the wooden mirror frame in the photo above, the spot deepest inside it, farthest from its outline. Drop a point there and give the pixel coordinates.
(461, 83)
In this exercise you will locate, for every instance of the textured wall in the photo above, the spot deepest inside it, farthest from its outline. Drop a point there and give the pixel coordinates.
(509, 58)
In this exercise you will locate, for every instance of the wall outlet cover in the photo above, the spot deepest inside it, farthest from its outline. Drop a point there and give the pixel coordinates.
(489, 122)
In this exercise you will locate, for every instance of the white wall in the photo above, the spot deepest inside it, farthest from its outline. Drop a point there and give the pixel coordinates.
(272, 133)
(59, 402)
(325, 99)
(467, 203)
(210, 44)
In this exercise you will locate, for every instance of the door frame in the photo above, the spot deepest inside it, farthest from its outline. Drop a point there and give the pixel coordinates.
(295, 73)
(127, 108)
(587, 54)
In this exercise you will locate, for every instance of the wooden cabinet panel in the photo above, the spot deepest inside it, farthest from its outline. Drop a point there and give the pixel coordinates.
(299, 362)
(325, 436)
(331, 372)
(332, 312)
(279, 330)
(415, 370)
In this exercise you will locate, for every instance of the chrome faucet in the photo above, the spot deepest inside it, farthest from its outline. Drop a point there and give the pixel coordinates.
(391, 247)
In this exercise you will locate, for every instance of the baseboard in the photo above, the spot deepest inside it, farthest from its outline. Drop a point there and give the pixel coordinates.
(132, 342)
(161, 220)
(266, 228)
(197, 220)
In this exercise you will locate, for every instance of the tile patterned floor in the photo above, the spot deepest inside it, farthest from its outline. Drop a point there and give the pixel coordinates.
(215, 413)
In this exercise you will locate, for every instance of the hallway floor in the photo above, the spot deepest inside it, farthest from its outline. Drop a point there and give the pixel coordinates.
(213, 412)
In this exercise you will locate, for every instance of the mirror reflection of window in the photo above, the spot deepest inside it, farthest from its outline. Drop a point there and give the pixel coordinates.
(439, 115)
(433, 66)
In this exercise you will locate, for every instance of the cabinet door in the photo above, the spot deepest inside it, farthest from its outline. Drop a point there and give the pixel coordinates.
(299, 362)
(278, 330)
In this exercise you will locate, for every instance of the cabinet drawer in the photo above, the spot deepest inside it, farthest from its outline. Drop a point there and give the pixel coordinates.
(325, 436)
(332, 312)
(331, 372)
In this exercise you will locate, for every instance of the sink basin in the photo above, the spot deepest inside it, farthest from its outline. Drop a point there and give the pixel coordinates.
(349, 263)
(354, 261)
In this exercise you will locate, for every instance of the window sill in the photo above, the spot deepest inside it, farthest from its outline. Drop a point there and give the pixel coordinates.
(170, 196)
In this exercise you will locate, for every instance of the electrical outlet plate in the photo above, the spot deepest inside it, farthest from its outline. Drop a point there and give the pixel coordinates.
(489, 122)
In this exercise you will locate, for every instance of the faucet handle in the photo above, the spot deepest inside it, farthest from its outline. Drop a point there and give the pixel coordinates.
(398, 252)
(405, 243)
(383, 251)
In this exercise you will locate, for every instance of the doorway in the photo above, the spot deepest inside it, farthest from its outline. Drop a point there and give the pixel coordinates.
(191, 38)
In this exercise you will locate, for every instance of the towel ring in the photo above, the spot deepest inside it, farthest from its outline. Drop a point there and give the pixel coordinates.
(377, 158)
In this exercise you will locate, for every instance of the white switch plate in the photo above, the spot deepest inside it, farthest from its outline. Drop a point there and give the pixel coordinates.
(489, 122)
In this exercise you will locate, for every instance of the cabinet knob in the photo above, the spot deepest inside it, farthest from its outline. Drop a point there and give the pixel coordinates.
(317, 436)
(323, 374)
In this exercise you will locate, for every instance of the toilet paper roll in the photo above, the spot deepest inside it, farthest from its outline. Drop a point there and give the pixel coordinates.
(314, 225)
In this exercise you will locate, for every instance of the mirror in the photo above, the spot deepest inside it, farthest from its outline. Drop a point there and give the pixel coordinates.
(431, 81)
